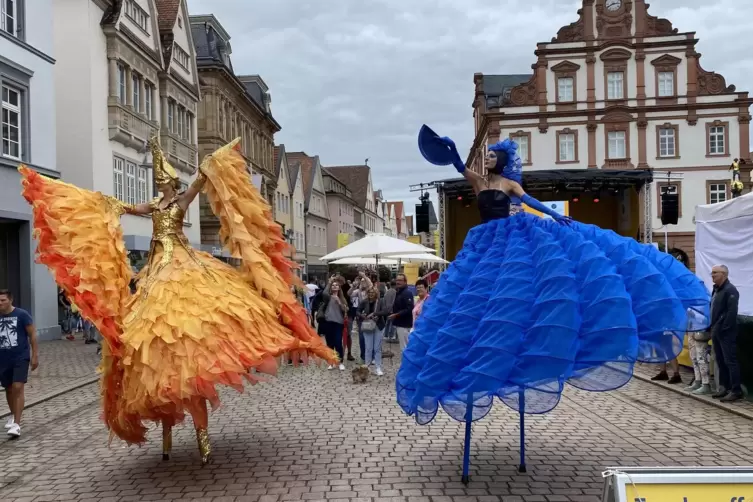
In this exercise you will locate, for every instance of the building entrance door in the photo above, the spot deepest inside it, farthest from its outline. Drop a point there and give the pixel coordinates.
(10, 262)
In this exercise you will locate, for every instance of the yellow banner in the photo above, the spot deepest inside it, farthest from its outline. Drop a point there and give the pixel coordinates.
(411, 272)
(436, 240)
(690, 492)
(415, 239)
(561, 207)
(342, 240)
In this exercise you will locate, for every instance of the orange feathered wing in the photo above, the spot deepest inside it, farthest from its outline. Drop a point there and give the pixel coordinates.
(248, 231)
(81, 241)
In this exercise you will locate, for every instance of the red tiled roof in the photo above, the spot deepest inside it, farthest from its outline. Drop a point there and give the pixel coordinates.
(307, 169)
(167, 13)
(356, 178)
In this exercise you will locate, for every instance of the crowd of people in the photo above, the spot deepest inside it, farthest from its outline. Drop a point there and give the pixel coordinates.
(366, 308)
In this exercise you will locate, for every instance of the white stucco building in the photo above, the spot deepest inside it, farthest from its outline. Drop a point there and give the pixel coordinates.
(28, 136)
(620, 89)
(136, 79)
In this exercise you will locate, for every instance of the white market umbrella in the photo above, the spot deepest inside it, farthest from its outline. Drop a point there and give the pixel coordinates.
(377, 246)
(392, 260)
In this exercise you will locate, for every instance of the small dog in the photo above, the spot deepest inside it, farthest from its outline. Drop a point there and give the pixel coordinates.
(360, 374)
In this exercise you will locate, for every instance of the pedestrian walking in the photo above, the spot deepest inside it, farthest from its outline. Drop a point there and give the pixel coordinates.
(18, 352)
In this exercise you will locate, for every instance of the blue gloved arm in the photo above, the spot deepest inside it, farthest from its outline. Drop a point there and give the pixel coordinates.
(456, 160)
(538, 206)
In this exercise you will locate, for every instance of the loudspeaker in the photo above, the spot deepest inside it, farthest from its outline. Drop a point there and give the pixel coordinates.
(670, 208)
(422, 218)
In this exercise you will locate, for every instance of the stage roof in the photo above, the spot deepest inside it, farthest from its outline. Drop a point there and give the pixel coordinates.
(566, 180)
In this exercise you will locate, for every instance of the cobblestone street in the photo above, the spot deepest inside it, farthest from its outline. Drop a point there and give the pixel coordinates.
(311, 434)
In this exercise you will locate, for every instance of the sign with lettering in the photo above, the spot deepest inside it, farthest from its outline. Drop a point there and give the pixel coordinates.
(678, 484)
(560, 207)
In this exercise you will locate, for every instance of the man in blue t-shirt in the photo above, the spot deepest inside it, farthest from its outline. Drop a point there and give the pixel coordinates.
(18, 351)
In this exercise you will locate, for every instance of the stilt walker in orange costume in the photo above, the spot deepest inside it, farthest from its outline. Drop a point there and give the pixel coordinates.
(193, 322)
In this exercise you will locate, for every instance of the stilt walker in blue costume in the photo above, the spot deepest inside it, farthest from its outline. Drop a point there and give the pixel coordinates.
(532, 303)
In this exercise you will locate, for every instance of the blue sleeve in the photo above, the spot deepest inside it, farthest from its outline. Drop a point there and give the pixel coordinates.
(25, 320)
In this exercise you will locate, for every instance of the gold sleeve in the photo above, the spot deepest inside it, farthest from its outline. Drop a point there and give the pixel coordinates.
(119, 206)
(201, 178)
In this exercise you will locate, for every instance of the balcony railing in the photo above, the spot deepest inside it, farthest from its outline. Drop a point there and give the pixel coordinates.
(181, 155)
(128, 127)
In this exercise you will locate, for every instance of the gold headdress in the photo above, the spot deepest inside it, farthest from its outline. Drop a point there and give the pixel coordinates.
(164, 173)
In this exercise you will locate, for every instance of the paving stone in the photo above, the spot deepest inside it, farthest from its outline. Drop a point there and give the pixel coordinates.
(311, 434)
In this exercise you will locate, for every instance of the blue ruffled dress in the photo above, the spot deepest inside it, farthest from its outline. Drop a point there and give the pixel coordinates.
(530, 304)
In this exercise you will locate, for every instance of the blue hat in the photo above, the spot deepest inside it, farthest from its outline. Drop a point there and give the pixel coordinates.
(432, 149)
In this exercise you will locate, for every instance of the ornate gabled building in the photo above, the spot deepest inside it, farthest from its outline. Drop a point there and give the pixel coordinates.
(232, 106)
(397, 212)
(316, 212)
(358, 180)
(343, 209)
(620, 89)
(137, 79)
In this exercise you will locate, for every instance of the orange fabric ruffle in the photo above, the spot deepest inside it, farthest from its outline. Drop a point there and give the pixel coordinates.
(249, 232)
(81, 241)
(195, 324)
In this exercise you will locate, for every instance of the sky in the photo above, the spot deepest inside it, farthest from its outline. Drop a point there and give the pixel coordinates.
(352, 80)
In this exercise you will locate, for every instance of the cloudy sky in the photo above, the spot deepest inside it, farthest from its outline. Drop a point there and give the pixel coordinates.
(352, 79)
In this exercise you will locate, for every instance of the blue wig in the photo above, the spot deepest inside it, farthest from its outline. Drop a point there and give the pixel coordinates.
(508, 164)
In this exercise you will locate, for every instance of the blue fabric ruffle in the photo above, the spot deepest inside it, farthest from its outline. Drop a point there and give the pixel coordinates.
(530, 304)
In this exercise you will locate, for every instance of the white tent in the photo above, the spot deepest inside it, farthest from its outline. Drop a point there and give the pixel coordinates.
(392, 260)
(377, 246)
(724, 236)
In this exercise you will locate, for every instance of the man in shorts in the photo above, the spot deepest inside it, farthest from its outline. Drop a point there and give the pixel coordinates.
(18, 351)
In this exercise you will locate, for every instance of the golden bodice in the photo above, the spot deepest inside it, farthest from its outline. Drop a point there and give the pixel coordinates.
(168, 222)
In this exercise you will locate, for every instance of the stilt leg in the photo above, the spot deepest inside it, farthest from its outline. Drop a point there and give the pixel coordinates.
(467, 454)
(198, 408)
(522, 399)
(205, 449)
(167, 440)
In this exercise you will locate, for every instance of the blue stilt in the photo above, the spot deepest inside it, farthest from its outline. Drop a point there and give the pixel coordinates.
(467, 447)
(522, 407)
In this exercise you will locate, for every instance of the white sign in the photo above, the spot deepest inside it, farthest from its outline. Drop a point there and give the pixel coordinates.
(678, 484)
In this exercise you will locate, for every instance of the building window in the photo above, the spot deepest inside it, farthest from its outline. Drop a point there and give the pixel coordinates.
(122, 96)
(137, 15)
(665, 76)
(11, 122)
(186, 215)
(9, 17)
(181, 121)
(118, 181)
(171, 116)
(717, 140)
(565, 89)
(180, 56)
(567, 146)
(188, 128)
(666, 83)
(667, 141)
(523, 139)
(615, 85)
(130, 179)
(616, 145)
(717, 192)
(136, 83)
(143, 186)
(148, 99)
